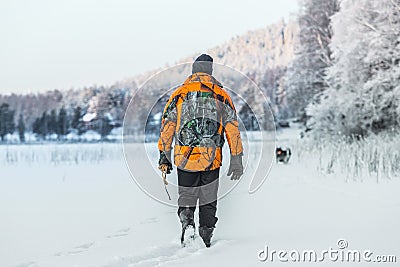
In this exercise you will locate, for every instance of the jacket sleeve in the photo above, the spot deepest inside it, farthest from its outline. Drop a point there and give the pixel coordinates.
(231, 127)
(168, 125)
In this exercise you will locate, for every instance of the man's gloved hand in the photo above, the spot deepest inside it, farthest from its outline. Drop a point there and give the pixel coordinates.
(236, 167)
(167, 168)
(164, 164)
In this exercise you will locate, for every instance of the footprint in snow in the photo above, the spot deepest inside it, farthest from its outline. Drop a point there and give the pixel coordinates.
(149, 220)
(167, 254)
(27, 264)
(81, 248)
(120, 233)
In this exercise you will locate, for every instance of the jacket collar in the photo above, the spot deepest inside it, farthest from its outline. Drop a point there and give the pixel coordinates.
(203, 78)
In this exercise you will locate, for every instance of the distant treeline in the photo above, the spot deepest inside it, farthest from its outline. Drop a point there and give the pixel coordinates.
(57, 123)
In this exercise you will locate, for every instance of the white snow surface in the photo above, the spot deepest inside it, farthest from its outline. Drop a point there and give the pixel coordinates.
(91, 136)
(88, 212)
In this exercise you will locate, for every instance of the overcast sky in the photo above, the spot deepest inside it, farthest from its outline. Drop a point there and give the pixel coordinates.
(48, 44)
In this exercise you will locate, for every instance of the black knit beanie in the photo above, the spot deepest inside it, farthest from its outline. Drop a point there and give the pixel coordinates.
(203, 64)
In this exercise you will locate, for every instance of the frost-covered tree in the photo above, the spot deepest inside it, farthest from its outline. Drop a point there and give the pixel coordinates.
(52, 122)
(41, 125)
(76, 119)
(305, 78)
(62, 122)
(21, 128)
(7, 125)
(364, 95)
(104, 127)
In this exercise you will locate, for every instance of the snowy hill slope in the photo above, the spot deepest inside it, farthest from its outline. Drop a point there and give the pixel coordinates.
(257, 51)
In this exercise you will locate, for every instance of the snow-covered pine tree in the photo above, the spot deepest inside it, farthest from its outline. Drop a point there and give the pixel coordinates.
(76, 119)
(7, 125)
(52, 122)
(21, 128)
(62, 123)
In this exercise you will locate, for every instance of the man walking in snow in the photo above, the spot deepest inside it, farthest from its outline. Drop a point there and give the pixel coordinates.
(198, 115)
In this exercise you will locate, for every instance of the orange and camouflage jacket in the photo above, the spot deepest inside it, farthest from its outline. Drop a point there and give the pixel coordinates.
(198, 115)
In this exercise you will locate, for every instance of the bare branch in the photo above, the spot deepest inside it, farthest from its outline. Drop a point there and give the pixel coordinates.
(395, 4)
(366, 24)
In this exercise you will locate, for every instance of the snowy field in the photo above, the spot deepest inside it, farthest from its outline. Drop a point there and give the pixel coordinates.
(76, 205)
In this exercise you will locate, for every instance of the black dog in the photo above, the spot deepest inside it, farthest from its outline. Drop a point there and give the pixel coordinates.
(283, 155)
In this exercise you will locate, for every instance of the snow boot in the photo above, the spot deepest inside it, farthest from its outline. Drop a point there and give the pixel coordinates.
(206, 234)
(188, 229)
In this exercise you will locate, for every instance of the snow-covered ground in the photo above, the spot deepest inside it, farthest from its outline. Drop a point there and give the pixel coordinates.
(87, 211)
